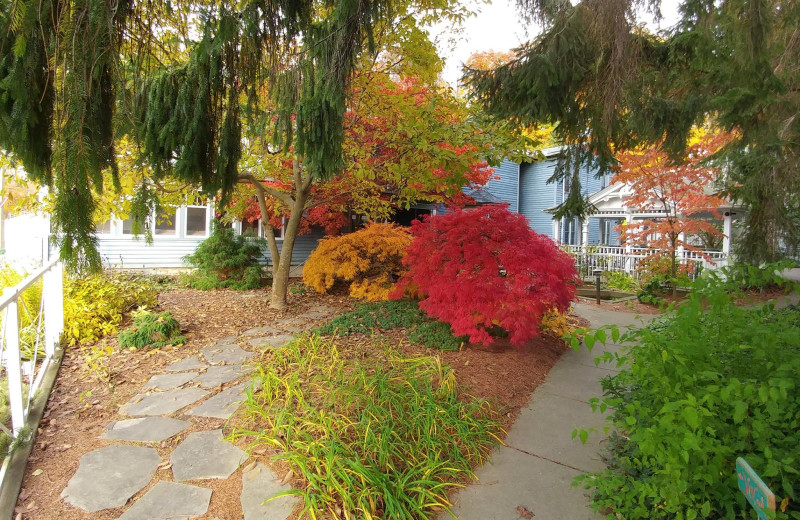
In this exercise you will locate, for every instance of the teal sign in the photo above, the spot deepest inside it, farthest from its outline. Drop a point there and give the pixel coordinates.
(754, 489)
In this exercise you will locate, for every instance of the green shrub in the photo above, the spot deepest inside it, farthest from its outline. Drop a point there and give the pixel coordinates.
(225, 260)
(381, 436)
(706, 384)
(151, 330)
(746, 277)
(622, 281)
(94, 305)
(389, 315)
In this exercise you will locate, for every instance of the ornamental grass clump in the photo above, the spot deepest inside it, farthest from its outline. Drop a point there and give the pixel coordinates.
(152, 330)
(706, 384)
(369, 261)
(374, 434)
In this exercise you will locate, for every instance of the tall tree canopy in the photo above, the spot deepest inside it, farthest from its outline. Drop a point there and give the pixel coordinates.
(611, 85)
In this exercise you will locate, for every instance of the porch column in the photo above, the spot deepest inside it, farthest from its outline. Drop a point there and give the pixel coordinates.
(585, 235)
(557, 230)
(727, 229)
(628, 247)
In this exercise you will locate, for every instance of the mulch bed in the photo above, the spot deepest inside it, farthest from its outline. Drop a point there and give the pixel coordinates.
(80, 406)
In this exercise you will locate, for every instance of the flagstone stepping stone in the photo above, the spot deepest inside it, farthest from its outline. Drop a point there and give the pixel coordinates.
(169, 381)
(227, 340)
(190, 363)
(145, 429)
(221, 374)
(205, 455)
(108, 477)
(162, 403)
(270, 342)
(259, 484)
(261, 331)
(226, 354)
(292, 325)
(222, 405)
(170, 500)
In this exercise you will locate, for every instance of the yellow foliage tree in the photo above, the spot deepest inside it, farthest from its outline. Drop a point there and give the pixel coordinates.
(369, 260)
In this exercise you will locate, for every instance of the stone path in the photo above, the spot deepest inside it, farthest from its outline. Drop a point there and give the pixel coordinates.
(109, 477)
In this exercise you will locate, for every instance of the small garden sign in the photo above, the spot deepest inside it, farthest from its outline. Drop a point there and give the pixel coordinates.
(754, 489)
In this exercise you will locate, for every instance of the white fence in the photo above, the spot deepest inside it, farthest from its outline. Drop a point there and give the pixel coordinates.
(611, 258)
(29, 338)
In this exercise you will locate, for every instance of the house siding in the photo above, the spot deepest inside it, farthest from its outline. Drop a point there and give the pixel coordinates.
(506, 186)
(535, 195)
(132, 253)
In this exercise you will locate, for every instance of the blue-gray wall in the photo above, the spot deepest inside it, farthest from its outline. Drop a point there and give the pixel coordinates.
(526, 190)
(536, 195)
(506, 186)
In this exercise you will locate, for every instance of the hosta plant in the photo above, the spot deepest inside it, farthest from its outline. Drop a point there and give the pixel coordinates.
(152, 330)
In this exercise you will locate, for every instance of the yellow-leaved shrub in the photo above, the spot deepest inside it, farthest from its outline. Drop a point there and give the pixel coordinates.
(558, 324)
(370, 260)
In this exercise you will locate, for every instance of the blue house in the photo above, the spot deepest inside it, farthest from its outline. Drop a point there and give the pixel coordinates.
(524, 187)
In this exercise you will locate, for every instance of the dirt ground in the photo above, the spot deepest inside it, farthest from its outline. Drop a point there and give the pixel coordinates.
(81, 405)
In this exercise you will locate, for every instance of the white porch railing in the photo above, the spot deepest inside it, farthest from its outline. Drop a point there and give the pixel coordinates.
(27, 352)
(615, 258)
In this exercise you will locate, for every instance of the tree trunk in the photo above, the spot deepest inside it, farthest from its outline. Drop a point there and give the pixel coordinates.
(280, 279)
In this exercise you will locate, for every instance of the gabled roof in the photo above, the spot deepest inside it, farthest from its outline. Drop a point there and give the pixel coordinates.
(482, 196)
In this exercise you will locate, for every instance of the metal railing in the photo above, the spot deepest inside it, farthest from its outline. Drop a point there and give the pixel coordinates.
(615, 258)
(28, 341)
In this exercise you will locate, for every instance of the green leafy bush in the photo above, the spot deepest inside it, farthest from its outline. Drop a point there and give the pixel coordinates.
(380, 436)
(746, 277)
(94, 305)
(622, 281)
(225, 260)
(706, 384)
(152, 330)
(389, 315)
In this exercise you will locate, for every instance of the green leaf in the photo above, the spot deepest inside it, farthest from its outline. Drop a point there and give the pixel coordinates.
(584, 435)
(615, 334)
(589, 340)
(690, 415)
(705, 510)
(739, 411)
(601, 335)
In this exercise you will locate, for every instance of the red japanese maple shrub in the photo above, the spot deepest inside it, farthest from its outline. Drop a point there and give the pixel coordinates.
(483, 268)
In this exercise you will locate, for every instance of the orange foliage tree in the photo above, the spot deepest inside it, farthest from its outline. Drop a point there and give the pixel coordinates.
(679, 191)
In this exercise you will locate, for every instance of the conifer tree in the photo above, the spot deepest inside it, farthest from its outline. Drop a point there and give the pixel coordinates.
(611, 85)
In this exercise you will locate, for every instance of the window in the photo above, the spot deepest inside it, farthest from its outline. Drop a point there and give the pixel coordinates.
(251, 228)
(127, 226)
(104, 228)
(165, 224)
(196, 221)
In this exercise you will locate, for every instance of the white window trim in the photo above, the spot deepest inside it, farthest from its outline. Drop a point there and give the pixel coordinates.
(237, 226)
(184, 232)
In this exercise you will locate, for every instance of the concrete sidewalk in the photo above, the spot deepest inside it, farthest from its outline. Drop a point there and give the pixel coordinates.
(536, 467)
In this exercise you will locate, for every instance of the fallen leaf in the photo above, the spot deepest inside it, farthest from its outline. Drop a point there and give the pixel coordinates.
(524, 512)
(288, 478)
(37, 472)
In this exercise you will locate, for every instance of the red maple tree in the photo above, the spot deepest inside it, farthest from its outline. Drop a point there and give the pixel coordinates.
(679, 191)
(483, 268)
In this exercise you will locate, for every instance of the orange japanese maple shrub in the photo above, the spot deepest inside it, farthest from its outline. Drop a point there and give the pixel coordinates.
(483, 268)
(370, 260)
